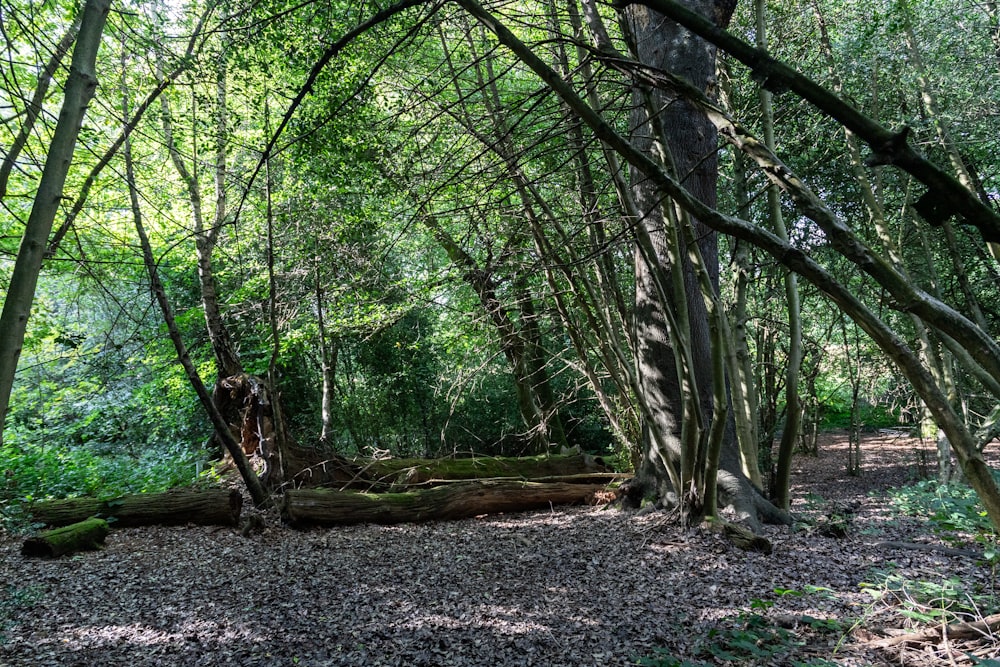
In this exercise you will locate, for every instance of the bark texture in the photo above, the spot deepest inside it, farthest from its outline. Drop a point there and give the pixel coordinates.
(208, 507)
(307, 507)
(691, 142)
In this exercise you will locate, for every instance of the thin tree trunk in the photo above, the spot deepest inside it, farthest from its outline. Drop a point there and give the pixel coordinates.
(222, 429)
(743, 385)
(512, 343)
(272, 449)
(328, 365)
(226, 359)
(80, 87)
(793, 404)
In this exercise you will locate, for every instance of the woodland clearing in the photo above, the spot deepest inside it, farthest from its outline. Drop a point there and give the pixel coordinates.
(570, 586)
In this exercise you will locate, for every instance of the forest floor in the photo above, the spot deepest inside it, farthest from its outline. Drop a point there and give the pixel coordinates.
(573, 586)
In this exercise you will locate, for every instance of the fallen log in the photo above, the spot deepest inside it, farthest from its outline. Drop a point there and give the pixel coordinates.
(327, 507)
(207, 507)
(398, 473)
(85, 535)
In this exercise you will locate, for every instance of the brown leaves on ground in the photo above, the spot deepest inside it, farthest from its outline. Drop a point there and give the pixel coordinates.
(574, 586)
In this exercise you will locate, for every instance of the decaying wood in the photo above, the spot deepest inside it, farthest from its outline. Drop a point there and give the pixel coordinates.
(970, 630)
(82, 536)
(208, 507)
(403, 472)
(741, 537)
(312, 468)
(455, 501)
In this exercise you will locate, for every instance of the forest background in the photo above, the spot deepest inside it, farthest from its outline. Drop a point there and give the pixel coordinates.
(424, 251)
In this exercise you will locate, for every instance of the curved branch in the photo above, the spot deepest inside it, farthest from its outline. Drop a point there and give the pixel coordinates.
(946, 193)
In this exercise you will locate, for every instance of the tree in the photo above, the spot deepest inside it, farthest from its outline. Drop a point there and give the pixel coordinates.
(674, 344)
(79, 90)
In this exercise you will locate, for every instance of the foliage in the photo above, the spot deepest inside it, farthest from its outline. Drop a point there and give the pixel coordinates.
(39, 471)
(944, 601)
(951, 507)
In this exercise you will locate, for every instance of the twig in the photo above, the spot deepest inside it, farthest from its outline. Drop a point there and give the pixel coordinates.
(969, 630)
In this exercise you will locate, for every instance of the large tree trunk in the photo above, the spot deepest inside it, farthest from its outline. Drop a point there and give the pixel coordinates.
(308, 507)
(20, 295)
(691, 141)
(208, 507)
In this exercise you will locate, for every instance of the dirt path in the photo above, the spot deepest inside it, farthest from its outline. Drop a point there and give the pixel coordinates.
(578, 586)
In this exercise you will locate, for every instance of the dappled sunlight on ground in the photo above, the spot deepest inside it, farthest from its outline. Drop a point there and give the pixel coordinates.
(571, 586)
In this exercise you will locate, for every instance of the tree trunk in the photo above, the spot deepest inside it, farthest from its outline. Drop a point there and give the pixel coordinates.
(80, 87)
(86, 535)
(793, 405)
(307, 507)
(205, 507)
(480, 277)
(678, 396)
(222, 428)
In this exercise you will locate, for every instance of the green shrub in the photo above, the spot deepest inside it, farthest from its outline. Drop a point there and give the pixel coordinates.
(949, 507)
(37, 471)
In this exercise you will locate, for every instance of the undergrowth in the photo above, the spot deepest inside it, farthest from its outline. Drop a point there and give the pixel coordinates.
(952, 507)
(33, 472)
(945, 601)
(752, 638)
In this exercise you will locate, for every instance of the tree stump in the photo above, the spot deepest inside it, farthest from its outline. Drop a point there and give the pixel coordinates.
(85, 535)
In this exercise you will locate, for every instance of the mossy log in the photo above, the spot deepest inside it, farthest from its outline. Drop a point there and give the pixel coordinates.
(85, 535)
(326, 507)
(400, 473)
(207, 507)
